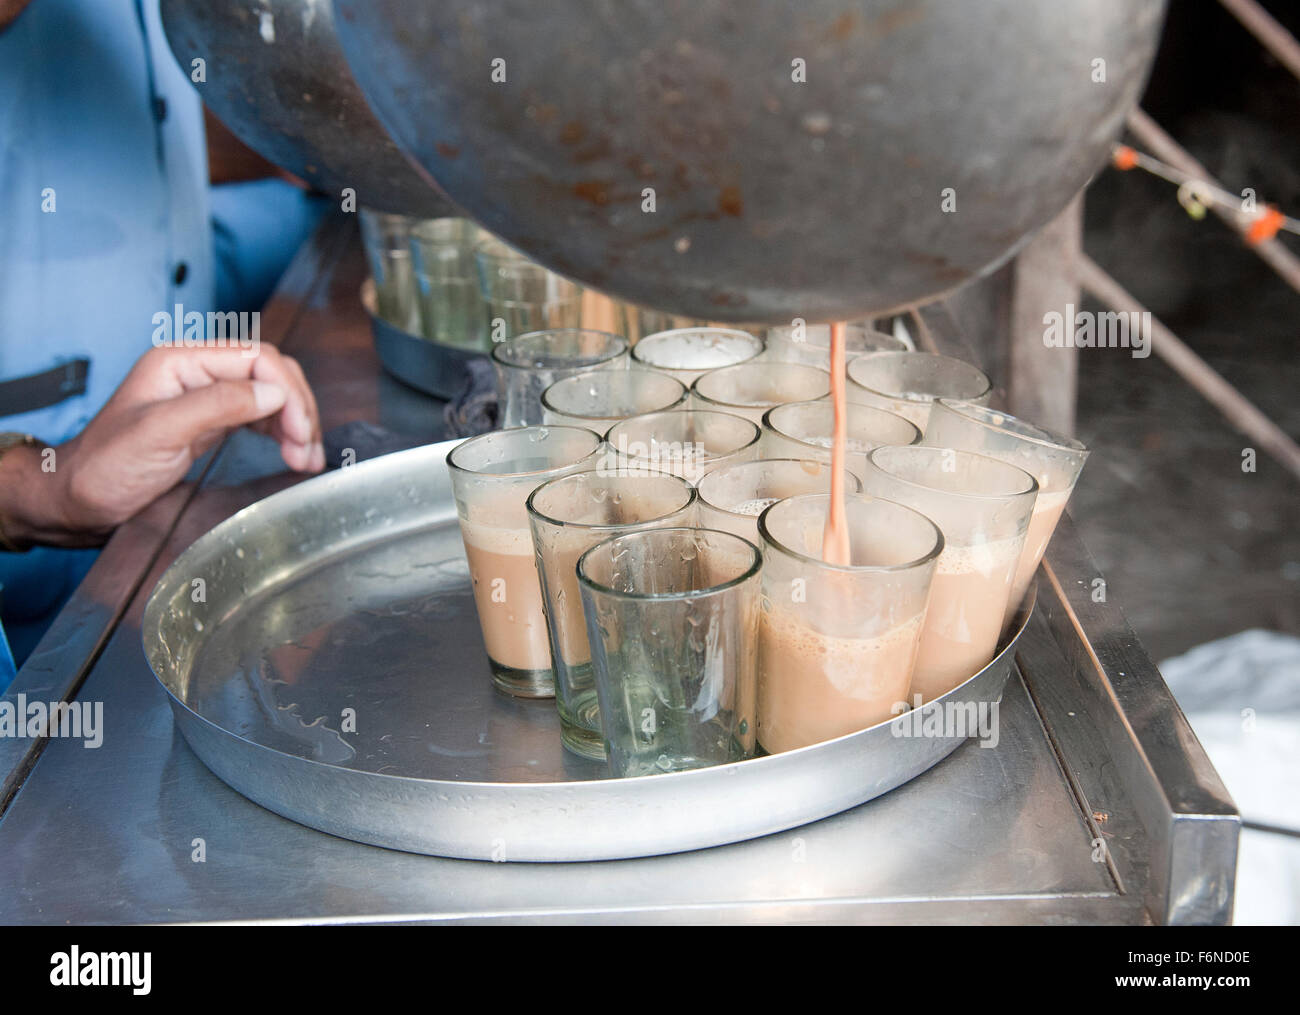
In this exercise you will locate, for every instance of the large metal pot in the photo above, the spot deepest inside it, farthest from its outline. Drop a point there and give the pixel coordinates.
(275, 75)
(799, 151)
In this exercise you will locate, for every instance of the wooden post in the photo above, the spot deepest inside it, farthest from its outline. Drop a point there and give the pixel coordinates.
(1042, 382)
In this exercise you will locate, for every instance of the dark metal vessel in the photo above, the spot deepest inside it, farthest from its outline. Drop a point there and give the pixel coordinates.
(823, 158)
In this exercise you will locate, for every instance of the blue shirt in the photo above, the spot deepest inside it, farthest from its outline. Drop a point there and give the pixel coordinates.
(104, 221)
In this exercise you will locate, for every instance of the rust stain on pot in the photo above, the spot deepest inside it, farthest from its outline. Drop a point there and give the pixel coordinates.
(447, 150)
(730, 202)
(842, 27)
(594, 191)
(572, 132)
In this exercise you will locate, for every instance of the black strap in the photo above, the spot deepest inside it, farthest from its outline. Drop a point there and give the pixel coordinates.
(40, 391)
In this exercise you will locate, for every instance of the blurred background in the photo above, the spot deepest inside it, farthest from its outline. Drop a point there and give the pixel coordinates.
(1193, 548)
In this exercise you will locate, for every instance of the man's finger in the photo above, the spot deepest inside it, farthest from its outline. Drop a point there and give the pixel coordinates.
(191, 417)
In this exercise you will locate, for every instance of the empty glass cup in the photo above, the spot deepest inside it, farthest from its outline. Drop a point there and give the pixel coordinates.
(1053, 459)
(806, 429)
(387, 240)
(522, 296)
(672, 618)
(982, 506)
(837, 643)
(811, 343)
(569, 516)
(908, 383)
(750, 389)
(683, 442)
(491, 478)
(451, 308)
(597, 399)
(733, 496)
(685, 353)
(528, 365)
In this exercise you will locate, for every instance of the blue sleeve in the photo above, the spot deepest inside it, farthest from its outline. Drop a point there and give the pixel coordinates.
(7, 668)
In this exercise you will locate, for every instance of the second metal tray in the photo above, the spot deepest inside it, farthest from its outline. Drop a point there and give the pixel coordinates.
(322, 655)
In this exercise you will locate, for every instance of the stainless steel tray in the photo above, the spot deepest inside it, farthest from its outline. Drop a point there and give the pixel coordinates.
(323, 657)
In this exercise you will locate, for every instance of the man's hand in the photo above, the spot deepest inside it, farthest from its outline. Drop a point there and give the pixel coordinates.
(173, 406)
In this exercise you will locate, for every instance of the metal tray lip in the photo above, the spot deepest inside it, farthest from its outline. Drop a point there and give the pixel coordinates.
(243, 513)
(769, 762)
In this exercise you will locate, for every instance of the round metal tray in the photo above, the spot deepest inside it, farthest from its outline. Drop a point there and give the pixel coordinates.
(323, 657)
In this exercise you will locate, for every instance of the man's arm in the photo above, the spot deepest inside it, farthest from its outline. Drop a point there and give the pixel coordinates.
(173, 406)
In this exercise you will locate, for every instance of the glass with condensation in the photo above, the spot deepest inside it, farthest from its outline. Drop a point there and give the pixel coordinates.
(983, 507)
(1053, 459)
(684, 442)
(750, 389)
(570, 515)
(520, 295)
(672, 619)
(806, 430)
(491, 478)
(733, 496)
(685, 353)
(908, 383)
(528, 365)
(387, 240)
(597, 399)
(837, 643)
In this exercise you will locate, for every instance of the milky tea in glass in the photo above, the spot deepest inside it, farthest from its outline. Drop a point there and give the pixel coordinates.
(982, 506)
(492, 476)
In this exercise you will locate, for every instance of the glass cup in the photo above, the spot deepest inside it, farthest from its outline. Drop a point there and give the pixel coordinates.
(528, 365)
(1053, 459)
(750, 389)
(908, 383)
(683, 442)
(491, 478)
(569, 516)
(685, 353)
(811, 343)
(451, 309)
(733, 496)
(521, 296)
(387, 240)
(598, 399)
(672, 618)
(806, 429)
(837, 643)
(983, 507)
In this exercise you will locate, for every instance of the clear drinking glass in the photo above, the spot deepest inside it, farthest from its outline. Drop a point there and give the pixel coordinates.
(811, 343)
(491, 478)
(908, 383)
(982, 506)
(528, 365)
(598, 399)
(569, 516)
(451, 308)
(750, 389)
(387, 240)
(1053, 459)
(733, 496)
(837, 643)
(672, 618)
(806, 429)
(685, 353)
(522, 296)
(683, 442)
